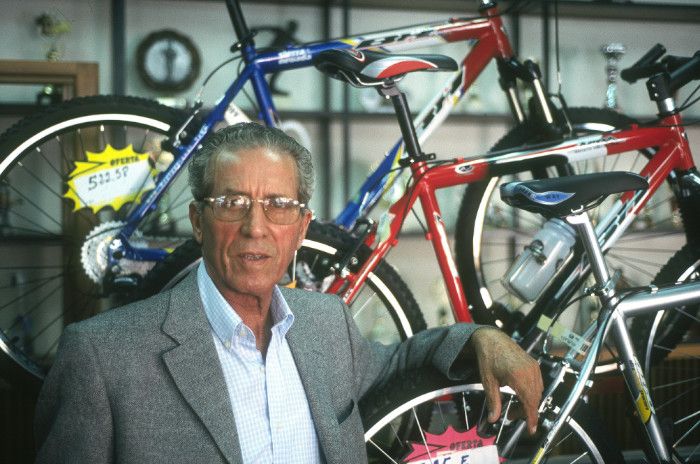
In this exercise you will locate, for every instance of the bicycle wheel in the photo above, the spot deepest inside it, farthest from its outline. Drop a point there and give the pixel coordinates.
(490, 234)
(384, 309)
(658, 335)
(424, 417)
(675, 383)
(53, 238)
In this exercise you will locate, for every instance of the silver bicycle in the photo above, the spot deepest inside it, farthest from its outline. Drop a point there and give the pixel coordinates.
(441, 422)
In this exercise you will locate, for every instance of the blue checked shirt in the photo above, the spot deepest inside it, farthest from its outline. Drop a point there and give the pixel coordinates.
(269, 403)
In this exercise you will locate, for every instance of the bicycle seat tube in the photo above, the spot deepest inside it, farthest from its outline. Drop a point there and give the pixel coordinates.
(237, 19)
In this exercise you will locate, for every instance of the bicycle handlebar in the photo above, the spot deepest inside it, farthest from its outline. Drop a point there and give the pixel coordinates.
(681, 70)
(686, 72)
(642, 67)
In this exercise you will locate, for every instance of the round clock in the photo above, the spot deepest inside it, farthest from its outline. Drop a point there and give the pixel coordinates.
(168, 61)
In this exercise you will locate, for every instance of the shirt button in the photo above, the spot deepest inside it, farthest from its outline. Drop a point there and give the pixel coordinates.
(227, 344)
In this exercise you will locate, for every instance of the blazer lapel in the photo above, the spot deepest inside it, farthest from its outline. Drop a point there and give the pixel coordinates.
(195, 368)
(311, 363)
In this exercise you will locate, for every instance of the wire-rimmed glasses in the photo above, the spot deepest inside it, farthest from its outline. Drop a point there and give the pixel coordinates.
(232, 208)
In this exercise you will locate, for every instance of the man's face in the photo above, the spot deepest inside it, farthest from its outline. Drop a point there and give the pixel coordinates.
(248, 257)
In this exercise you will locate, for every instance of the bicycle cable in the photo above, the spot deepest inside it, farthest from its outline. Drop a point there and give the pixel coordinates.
(252, 102)
(514, 7)
(199, 93)
(557, 48)
(688, 103)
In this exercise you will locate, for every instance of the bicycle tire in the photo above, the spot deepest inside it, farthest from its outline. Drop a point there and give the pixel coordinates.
(657, 335)
(394, 317)
(428, 399)
(47, 278)
(477, 258)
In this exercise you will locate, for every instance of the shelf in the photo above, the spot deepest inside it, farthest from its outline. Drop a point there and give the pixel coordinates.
(591, 9)
(360, 115)
(619, 10)
(78, 78)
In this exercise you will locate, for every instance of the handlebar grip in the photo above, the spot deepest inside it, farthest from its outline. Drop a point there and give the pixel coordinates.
(686, 73)
(656, 52)
(645, 66)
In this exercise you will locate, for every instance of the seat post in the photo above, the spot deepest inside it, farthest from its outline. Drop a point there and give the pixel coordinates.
(408, 131)
(584, 229)
(237, 19)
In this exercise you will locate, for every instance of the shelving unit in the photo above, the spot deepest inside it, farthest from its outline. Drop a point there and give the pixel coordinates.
(340, 123)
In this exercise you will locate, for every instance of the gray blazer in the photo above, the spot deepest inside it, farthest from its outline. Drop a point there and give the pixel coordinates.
(143, 383)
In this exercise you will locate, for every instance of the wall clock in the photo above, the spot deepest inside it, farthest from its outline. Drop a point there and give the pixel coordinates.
(168, 61)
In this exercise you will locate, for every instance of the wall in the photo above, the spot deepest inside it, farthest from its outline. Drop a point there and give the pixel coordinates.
(207, 23)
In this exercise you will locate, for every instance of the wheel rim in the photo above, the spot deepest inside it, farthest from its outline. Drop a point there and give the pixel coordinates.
(447, 417)
(376, 310)
(48, 272)
(674, 383)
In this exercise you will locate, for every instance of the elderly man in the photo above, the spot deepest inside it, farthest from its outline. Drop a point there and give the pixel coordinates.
(228, 367)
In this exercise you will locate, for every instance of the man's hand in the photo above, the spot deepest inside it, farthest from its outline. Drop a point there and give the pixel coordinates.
(503, 363)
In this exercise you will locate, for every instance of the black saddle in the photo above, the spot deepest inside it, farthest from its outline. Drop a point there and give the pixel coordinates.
(364, 68)
(562, 196)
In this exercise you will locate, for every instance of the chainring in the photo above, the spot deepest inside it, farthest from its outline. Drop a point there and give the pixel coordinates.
(94, 254)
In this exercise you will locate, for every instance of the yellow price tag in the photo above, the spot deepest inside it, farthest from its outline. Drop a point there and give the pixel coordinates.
(110, 178)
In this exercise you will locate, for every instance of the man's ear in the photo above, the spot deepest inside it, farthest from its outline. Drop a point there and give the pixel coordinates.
(305, 220)
(196, 221)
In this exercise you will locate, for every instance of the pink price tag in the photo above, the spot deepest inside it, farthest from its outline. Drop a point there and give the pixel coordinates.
(453, 447)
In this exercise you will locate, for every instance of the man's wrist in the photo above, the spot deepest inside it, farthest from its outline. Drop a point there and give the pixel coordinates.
(469, 350)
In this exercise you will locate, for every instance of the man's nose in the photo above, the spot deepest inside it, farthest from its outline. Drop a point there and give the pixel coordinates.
(255, 222)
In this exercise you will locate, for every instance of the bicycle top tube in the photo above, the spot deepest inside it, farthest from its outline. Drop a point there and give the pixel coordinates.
(393, 40)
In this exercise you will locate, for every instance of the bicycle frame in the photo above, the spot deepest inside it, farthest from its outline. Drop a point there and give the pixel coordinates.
(489, 40)
(616, 308)
(673, 154)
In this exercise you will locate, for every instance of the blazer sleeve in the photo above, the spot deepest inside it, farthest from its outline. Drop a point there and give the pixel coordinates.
(375, 364)
(73, 421)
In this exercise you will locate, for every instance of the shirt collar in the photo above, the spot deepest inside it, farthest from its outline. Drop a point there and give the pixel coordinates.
(223, 318)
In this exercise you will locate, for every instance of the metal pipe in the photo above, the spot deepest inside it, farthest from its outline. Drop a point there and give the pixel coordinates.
(639, 393)
(118, 47)
(671, 297)
(582, 223)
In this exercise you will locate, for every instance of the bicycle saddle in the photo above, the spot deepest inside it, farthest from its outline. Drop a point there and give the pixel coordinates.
(364, 68)
(560, 196)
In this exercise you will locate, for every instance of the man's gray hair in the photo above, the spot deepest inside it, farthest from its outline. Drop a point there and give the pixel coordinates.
(244, 136)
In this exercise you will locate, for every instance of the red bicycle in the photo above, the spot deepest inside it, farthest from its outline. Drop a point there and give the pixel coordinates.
(551, 269)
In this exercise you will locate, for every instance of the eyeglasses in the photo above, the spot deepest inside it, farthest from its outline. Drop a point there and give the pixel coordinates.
(232, 208)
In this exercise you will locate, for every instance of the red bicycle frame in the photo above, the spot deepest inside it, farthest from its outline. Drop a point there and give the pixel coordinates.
(673, 154)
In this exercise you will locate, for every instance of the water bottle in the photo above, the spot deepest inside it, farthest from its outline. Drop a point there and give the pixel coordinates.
(534, 269)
